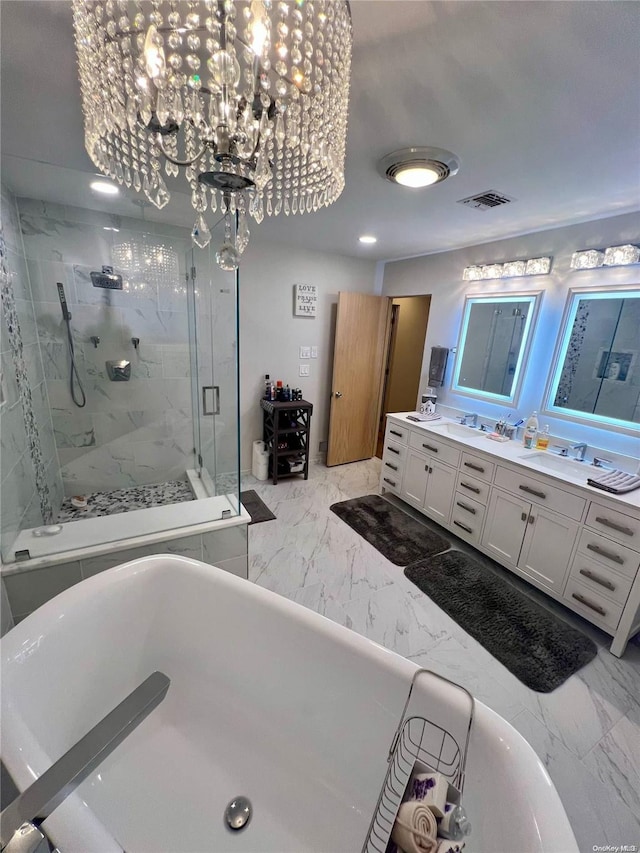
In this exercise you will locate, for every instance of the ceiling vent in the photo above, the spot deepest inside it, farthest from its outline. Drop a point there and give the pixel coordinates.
(486, 200)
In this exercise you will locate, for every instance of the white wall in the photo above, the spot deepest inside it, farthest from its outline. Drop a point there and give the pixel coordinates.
(441, 276)
(270, 336)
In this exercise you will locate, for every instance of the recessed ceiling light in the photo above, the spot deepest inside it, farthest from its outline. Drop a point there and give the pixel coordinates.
(104, 187)
(418, 167)
(368, 238)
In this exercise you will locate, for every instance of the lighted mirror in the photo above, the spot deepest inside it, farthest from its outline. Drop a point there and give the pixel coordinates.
(493, 346)
(596, 376)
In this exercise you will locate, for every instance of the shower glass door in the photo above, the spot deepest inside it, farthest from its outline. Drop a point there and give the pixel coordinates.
(213, 319)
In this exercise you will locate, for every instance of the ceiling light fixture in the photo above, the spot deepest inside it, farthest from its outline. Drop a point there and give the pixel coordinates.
(368, 238)
(248, 99)
(104, 188)
(613, 256)
(418, 167)
(509, 269)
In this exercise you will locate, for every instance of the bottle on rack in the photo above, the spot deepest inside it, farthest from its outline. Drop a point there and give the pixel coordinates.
(530, 431)
(279, 390)
(267, 387)
(287, 394)
(542, 441)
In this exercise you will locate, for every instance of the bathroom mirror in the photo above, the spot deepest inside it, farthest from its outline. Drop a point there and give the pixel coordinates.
(493, 345)
(596, 374)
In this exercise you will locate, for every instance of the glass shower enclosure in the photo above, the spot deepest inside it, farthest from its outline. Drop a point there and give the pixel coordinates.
(120, 382)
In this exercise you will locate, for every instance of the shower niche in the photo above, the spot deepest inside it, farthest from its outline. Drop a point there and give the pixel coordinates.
(136, 385)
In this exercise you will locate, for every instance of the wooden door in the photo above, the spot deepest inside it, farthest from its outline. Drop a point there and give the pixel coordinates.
(362, 327)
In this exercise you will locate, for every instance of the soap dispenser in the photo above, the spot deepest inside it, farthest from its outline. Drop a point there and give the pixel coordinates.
(542, 442)
(530, 431)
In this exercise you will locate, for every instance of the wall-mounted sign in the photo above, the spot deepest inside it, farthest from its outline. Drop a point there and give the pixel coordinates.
(305, 300)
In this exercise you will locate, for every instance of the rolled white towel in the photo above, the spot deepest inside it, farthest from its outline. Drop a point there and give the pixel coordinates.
(415, 829)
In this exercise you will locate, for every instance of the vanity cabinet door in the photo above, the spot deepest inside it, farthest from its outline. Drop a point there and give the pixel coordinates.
(416, 475)
(547, 547)
(440, 488)
(505, 527)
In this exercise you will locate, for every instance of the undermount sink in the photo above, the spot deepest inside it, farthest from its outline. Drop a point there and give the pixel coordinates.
(457, 429)
(561, 464)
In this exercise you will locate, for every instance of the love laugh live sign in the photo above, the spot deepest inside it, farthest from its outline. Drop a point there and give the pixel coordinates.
(305, 300)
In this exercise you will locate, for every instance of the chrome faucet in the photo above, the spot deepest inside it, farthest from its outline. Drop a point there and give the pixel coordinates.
(474, 419)
(581, 448)
(20, 820)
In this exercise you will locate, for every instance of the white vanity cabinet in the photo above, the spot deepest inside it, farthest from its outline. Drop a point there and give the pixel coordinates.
(578, 546)
(430, 473)
(532, 540)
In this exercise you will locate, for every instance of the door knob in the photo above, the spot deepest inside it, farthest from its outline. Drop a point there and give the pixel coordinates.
(338, 393)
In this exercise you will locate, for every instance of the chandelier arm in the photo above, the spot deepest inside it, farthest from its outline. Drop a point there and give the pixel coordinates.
(173, 160)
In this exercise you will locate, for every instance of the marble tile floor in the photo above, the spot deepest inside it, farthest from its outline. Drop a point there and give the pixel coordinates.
(126, 500)
(587, 732)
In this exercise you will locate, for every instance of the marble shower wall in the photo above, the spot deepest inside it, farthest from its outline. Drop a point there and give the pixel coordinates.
(30, 481)
(129, 433)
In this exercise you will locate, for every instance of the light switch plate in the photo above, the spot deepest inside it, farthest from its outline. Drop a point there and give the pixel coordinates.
(304, 370)
(305, 352)
(314, 352)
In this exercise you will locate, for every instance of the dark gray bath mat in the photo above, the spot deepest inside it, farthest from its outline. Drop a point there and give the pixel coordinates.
(256, 507)
(395, 534)
(538, 647)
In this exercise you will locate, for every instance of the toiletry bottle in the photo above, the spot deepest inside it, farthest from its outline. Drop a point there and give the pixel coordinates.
(530, 432)
(279, 390)
(542, 442)
(267, 387)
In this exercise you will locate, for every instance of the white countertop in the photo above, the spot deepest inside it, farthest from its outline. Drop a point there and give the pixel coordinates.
(535, 461)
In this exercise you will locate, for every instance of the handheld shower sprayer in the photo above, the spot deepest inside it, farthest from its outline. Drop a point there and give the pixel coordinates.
(66, 316)
(74, 376)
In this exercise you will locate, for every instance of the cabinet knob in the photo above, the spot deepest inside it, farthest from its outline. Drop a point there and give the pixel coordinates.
(338, 394)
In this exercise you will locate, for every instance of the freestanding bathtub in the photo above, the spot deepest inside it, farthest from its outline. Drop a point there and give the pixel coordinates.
(267, 700)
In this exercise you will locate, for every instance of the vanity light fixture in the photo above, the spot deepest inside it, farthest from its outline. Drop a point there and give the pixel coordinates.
(418, 167)
(509, 269)
(368, 238)
(613, 256)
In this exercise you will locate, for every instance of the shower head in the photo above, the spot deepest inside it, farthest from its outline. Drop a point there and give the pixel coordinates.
(106, 279)
(66, 316)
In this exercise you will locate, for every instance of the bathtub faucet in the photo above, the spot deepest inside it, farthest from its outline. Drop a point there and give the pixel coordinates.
(20, 821)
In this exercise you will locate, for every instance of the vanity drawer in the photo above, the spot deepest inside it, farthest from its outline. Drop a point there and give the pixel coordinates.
(475, 489)
(390, 480)
(392, 452)
(591, 604)
(397, 433)
(600, 579)
(477, 467)
(540, 492)
(609, 553)
(614, 525)
(467, 517)
(424, 442)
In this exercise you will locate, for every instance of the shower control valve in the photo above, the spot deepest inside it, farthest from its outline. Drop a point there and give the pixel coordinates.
(95, 340)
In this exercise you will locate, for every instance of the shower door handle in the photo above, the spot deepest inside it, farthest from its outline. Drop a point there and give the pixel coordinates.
(210, 399)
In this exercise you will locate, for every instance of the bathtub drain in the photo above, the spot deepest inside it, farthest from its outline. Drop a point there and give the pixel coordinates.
(238, 813)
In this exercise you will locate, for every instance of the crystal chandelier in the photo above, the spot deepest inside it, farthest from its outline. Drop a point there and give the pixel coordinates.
(248, 98)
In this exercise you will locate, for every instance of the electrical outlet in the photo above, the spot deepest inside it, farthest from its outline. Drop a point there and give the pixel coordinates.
(314, 352)
(305, 352)
(304, 370)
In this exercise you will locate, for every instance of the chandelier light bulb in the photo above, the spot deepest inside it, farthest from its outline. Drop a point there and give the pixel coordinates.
(154, 54)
